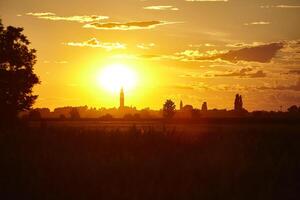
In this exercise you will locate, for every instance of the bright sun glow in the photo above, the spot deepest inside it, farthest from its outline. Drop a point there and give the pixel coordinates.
(113, 77)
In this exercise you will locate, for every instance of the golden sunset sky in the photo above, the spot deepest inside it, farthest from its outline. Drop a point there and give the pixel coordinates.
(189, 50)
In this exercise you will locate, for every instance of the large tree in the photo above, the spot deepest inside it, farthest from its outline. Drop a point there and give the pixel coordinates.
(16, 72)
(238, 103)
(169, 109)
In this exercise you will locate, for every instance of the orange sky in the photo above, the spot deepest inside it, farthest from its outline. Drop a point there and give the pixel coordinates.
(186, 50)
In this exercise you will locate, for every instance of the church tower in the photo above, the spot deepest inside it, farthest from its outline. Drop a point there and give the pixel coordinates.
(122, 98)
(181, 105)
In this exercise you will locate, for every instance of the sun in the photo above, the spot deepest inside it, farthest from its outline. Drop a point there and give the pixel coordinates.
(116, 76)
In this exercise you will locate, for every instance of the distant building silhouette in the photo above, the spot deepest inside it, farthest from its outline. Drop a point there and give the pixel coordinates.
(188, 108)
(181, 105)
(204, 107)
(122, 99)
(185, 112)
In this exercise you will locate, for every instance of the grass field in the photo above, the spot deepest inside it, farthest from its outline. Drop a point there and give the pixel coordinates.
(177, 161)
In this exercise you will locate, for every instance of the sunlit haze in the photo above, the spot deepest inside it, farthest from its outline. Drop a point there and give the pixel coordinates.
(193, 51)
(116, 76)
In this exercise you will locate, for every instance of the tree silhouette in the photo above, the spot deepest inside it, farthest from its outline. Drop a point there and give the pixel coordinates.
(16, 72)
(169, 109)
(293, 109)
(238, 103)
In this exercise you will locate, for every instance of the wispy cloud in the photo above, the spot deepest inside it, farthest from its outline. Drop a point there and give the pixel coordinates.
(281, 6)
(39, 14)
(160, 8)
(257, 23)
(244, 73)
(94, 43)
(202, 45)
(242, 44)
(127, 25)
(197, 54)
(145, 46)
(294, 87)
(75, 18)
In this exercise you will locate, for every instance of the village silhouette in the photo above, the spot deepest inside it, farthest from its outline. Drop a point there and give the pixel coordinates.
(168, 111)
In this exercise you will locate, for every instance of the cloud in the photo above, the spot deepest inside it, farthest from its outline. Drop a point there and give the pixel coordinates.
(258, 74)
(244, 73)
(262, 54)
(75, 18)
(287, 6)
(161, 8)
(202, 45)
(145, 46)
(294, 72)
(198, 54)
(281, 6)
(257, 23)
(295, 87)
(290, 54)
(158, 57)
(94, 43)
(276, 52)
(242, 44)
(127, 25)
(39, 14)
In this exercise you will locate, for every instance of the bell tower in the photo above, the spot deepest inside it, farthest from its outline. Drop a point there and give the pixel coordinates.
(122, 98)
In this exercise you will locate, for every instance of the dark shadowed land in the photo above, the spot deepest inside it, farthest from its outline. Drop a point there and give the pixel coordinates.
(232, 160)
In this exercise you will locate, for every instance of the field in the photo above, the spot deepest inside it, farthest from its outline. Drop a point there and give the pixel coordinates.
(150, 160)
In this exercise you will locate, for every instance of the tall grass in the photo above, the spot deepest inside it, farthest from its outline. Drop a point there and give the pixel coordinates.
(229, 162)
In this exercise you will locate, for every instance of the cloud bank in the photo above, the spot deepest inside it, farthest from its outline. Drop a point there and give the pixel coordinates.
(127, 26)
(76, 18)
(281, 6)
(261, 53)
(94, 43)
(161, 8)
(257, 23)
(295, 87)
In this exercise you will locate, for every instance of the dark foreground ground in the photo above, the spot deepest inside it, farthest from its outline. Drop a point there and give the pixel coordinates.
(246, 161)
